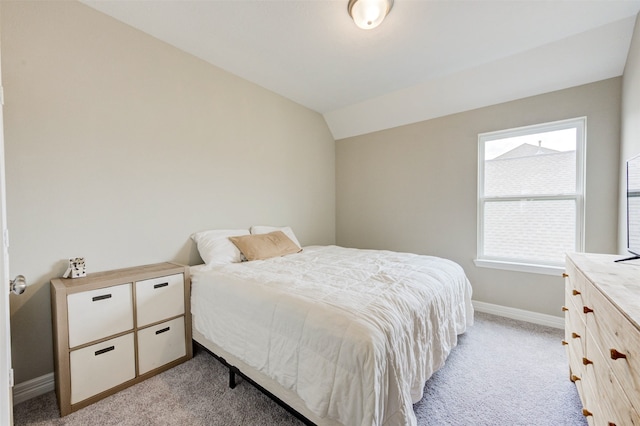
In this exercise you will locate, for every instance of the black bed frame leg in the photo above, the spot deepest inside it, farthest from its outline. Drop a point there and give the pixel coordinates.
(232, 378)
(232, 384)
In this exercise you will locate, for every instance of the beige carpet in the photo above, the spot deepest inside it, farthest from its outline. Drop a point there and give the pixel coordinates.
(503, 372)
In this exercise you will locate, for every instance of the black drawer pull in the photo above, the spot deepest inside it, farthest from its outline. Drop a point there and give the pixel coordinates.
(105, 350)
(162, 330)
(160, 285)
(104, 296)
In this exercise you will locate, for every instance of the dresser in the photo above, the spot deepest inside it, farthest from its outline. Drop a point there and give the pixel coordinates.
(602, 336)
(116, 328)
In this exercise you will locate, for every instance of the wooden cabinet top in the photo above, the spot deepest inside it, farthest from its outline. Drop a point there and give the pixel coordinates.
(618, 281)
(118, 276)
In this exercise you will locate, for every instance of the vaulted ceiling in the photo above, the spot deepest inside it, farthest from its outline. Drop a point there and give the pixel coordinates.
(429, 58)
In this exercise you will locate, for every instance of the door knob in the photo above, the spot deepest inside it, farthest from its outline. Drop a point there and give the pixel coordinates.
(18, 285)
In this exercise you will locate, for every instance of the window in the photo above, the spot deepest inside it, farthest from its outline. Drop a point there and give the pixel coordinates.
(531, 196)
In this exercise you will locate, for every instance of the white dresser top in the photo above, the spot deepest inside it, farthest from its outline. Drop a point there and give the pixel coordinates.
(618, 281)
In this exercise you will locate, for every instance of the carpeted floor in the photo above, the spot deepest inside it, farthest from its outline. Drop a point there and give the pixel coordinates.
(503, 372)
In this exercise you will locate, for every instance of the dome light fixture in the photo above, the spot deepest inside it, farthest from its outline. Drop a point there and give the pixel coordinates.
(368, 14)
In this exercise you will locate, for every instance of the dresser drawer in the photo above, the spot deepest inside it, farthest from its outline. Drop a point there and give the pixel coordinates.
(100, 367)
(612, 417)
(574, 338)
(159, 298)
(614, 404)
(575, 355)
(575, 327)
(589, 398)
(161, 344)
(575, 286)
(615, 333)
(96, 314)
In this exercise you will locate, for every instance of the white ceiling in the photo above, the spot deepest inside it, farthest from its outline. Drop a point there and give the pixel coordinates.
(427, 59)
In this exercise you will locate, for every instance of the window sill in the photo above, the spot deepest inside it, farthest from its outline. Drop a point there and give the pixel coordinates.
(520, 267)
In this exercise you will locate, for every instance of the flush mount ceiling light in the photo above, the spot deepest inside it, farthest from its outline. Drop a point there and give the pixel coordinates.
(369, 14)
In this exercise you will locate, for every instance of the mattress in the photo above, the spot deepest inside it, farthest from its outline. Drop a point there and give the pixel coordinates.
(353, 333)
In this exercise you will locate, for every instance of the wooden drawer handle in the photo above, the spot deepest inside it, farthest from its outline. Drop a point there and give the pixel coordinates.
(565, 309)
(564, 343)
(586, 412)
(586, 361)
(575, 292)
(617, 355)
(565, 275)
(586, 309)
(575, 335)
(574, 378)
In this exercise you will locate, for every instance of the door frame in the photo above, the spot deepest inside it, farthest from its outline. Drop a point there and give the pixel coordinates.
(6, 372)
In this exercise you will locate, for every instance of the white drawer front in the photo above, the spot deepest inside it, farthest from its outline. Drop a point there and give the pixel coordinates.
(159, 298)
(97, 314)
(161, 344)
(100, 367)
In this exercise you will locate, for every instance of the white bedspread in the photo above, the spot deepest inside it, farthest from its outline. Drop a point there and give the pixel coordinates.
(355, 333)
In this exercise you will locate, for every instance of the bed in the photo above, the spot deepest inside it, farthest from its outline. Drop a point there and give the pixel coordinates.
(341, 336)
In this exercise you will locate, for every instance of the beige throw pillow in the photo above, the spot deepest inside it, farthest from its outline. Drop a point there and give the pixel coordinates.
(265, 246)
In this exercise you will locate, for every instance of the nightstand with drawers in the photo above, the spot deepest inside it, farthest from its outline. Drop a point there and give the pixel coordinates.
(116, 328)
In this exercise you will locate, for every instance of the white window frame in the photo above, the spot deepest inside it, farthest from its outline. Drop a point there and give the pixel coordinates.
(580, 124)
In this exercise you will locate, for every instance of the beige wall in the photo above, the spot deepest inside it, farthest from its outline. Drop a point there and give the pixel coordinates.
(630, 133)
(119, 146)
(413, 188)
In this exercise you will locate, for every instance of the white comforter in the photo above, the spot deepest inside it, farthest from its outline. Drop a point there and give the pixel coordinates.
(355, 333)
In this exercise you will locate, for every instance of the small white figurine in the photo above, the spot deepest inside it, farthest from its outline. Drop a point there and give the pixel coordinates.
(76, 268)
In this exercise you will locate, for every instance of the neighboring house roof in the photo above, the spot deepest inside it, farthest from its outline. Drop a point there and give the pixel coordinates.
(529, 169)
(525, 150)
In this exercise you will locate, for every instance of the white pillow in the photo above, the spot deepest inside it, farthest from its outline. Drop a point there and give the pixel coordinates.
(215, 248)
(257, 229)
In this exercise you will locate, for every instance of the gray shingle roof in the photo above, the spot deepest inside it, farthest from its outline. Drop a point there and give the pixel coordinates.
(542, 172)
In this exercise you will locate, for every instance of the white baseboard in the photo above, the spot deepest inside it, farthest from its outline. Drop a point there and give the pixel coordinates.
(32, 388)
(519, 314)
